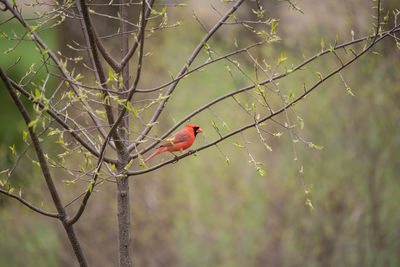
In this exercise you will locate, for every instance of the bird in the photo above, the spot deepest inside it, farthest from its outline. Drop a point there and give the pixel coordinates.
(179, 141)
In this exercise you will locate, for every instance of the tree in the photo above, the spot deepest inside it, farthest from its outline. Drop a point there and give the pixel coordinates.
(90, 104)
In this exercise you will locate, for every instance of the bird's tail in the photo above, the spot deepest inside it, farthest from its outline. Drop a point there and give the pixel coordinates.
(158, 151)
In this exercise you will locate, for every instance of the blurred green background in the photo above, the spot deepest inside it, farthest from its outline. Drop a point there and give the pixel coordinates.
(200, 212)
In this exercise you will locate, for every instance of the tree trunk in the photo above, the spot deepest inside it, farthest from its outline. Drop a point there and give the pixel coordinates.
(73, 239)
(124, 221)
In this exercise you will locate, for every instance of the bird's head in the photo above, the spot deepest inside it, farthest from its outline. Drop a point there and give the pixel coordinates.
(196, 128)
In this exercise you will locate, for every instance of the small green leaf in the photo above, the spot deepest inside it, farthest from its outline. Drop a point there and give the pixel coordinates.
(227, 162)
(152, 124)
(32, 123)
(386, 18)
(238, 145)
(309, 204)
(377, 53)
(142, 163)
(206, 45)
(12, 148)
(55, 131)
(301, 171)
(348, 91)
(309, 189)
(134, 112)
(112, 167)
(311, 145)
(101, 113)
(9, 50)
(37, 163)
(128, 106)
(32, 68)
(301, 121)
(248, 26)
(128, 165)
(351, 49)
(90, 187)
(60, 140)
(282, 58)
(4, 171)
(267, 146)
(37, 93)
(68, 182)
(261, 171)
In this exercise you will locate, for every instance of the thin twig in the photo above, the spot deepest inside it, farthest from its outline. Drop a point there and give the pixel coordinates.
(91, 44)
(140, 36)
(29, 205)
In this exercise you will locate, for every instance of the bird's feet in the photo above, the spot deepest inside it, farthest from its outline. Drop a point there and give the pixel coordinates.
(176, 159)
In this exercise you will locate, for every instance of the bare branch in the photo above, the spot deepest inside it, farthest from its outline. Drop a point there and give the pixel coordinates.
(97, 64)
(29, 205)
(107, 56)
(140, 36)
(202, 66)
(378, 24)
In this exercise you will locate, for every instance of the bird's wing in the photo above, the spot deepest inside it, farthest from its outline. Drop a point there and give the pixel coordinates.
(177, 138)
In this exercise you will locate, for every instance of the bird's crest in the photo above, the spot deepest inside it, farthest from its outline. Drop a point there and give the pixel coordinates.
(192, 125)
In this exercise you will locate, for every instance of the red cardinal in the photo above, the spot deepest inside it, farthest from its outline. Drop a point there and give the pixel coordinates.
(179, 141)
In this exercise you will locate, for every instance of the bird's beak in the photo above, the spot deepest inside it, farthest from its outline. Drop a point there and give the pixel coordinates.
(199, 130)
